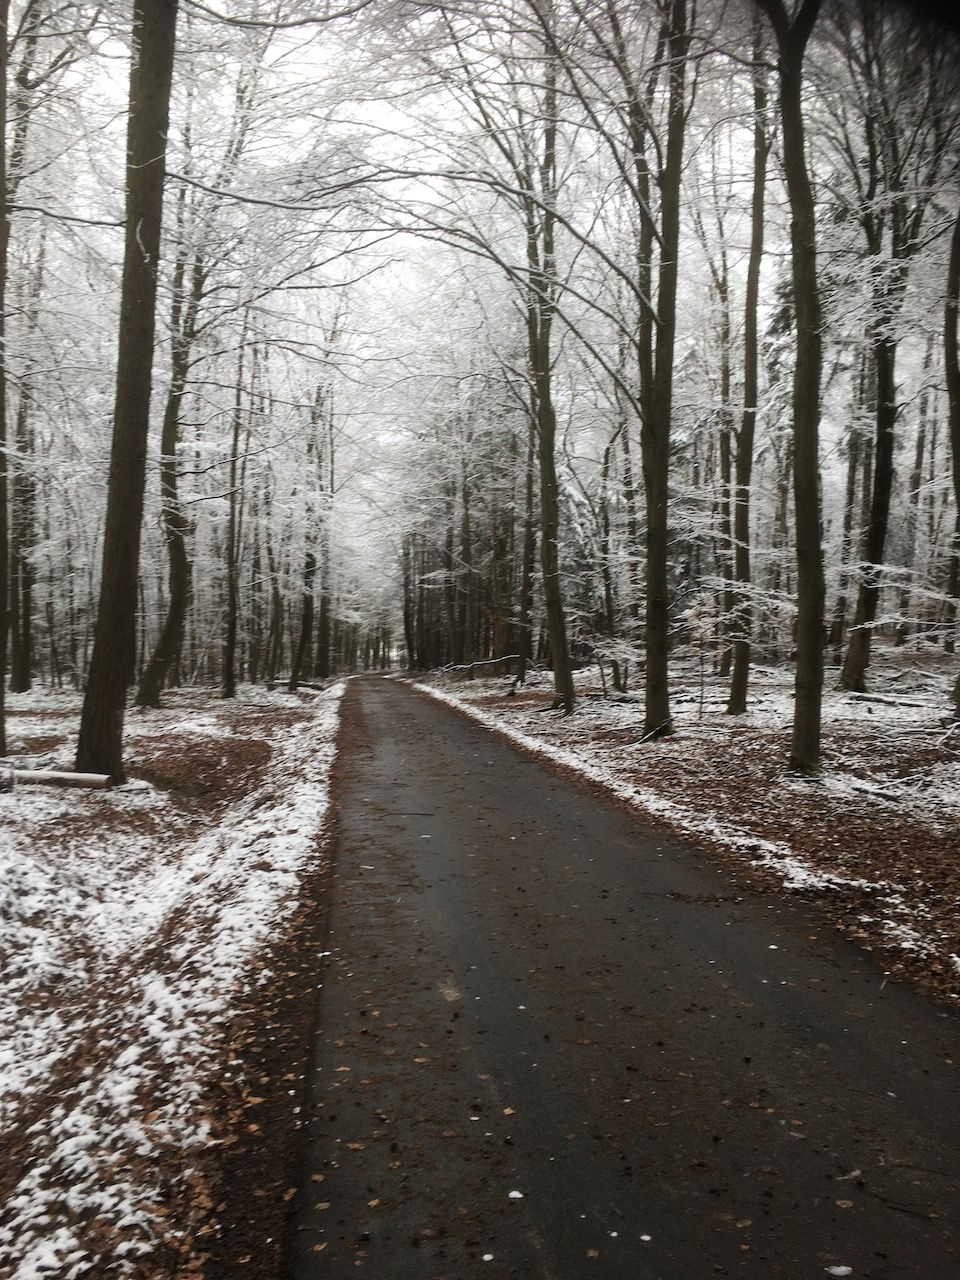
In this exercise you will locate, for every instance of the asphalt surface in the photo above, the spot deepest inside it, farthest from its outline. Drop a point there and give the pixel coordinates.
(555, 1043)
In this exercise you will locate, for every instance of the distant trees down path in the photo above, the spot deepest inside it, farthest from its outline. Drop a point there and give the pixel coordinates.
(486, 334)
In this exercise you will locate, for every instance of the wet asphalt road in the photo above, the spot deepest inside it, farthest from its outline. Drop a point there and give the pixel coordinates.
(528, 991)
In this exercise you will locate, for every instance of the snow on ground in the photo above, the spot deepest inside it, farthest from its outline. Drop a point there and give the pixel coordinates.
(877, 833)
(129, 923)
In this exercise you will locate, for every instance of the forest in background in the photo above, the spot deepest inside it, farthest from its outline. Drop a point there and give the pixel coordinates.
(546, 329)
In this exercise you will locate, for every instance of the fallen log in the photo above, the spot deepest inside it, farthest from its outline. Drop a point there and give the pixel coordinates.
(9, 778)
(887, 702)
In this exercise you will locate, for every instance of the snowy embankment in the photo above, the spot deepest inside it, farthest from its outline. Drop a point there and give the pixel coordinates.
(130, 923)
(877, 835)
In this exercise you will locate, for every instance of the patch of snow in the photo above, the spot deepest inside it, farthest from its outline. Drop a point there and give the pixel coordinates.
(80, 916)
(609, 762)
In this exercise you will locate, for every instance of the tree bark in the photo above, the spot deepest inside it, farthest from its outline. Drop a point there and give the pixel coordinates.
(857, 658)
(792, 37)
(743, 609)
(655, 429)
(4, 466)
(228, 687)
(541, 305)
(951, 364)
(839, 621)
(302, 650)
(913, 495)
(176, 526)
(23, 506)
(525, 626)
(100, 744)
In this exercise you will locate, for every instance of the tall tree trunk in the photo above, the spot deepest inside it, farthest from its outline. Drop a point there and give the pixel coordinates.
(857, 659)
(468, 597)
(550, 534)
(409, 601)
(792, 36)
(951, 364)
(323, 668)
(301, 653)
(4, 467)
(839, 621)
(176, 526)
(743, 609)
(100, 744)
(913, 495)
(23, 512)
(525, 627)
(635, 577)
(22, 544)
(232, 551)
(454, 648)
(655, 429)
(541, 255)
(275, 633)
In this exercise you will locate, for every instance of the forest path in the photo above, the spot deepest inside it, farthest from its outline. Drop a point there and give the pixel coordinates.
(527, 990)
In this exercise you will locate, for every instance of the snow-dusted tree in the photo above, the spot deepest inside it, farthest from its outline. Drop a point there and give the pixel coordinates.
(951, 361)
(4, 467)
(792, 31)
(896, 127)
(112, 664)
(743, 620)
(626, 66)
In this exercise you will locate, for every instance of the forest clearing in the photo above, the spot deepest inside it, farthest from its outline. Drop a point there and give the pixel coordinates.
(152, 922)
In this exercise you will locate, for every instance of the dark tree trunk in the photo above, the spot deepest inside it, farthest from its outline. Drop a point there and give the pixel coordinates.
(275, 638)
(22, 538)
(549, 543)
(525, 628)
(792, 36)
(655, 430)
(176, 526)
(839, 621)
(100, 744)
(228, 688)
(301, 653)
(454, 634)
(857, 659)
(24, 489)
(743, 610)
(323, 668)
(913, 495)
(4, 466)
(951, 362)
(606, 577)
(726, 555)
(541, 304)
(633, 530)
(255, 639)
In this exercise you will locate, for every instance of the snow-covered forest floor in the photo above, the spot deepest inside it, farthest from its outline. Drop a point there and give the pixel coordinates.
(876, 839)
(135, 926)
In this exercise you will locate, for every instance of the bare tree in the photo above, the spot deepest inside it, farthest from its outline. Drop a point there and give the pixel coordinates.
(100, 744)
(792, 31)
(951, 364)
(4, 467)
(901, 73)
(745, 437)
